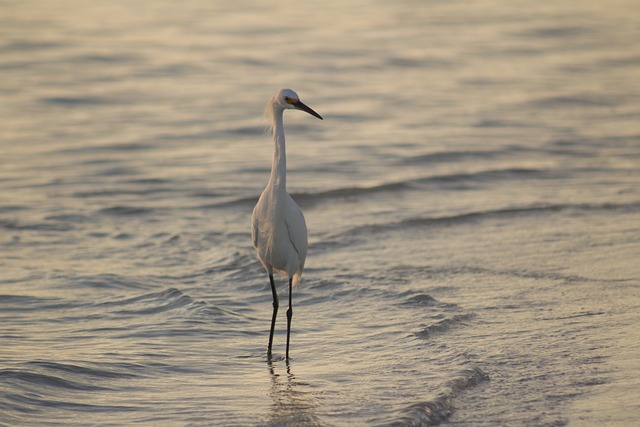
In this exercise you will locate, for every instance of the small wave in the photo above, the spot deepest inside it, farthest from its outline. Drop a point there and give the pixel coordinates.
(104, 148)
(241, 202)
(420, 300)
(355, 192)
(422, 63)
(30, 45)
(167, 301)
(116, 171)
(412, 223)
(307, 199)
(449, 157)
(244, 130)
(152, 303)
(30, 402)
(39, 387)
(68, 218)
(125, 211)
(576, 315)
(554, 32)
(572, 101)
(77, 101)
(628, 60)
(522, 274)
(23, 378)
(113, 281)
(443, 325)
(21, 303)
(147, 191)
(12, 208)
(499, 123)
(37, 226)
(349, 192)
(412, 184)
(167, 70)
(484, 176)
(438, 410)
(103, 58)
(113, 370)
(149, 181)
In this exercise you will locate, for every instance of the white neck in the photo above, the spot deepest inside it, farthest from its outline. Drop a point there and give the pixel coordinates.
(279, 165)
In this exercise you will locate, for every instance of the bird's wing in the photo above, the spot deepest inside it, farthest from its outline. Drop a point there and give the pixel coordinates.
(297, 228)
(255, 232)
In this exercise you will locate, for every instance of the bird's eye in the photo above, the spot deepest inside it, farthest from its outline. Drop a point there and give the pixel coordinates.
(286, 98)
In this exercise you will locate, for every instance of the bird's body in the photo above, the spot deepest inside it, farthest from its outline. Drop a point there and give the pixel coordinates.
(279, 231)
(280, 234)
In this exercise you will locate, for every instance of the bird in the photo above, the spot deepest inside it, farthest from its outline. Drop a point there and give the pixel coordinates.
(278, 227)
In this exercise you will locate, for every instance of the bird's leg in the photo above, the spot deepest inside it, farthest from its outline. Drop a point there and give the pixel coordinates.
(289, 315)
(275, 312)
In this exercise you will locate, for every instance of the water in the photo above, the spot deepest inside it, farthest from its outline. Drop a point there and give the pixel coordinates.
(472, 199)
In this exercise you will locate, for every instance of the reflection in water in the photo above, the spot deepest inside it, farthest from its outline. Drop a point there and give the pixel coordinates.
(293, 402)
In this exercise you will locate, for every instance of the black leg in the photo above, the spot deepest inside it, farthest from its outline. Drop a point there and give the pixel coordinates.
(289, 315)
(275, 312)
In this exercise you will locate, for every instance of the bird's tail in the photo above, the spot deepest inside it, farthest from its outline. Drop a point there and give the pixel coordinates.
(296, 279)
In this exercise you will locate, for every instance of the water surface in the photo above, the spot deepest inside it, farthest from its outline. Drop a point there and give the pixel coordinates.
(472, 199)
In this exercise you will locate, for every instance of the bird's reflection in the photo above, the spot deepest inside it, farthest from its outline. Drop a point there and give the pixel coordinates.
(294, 401)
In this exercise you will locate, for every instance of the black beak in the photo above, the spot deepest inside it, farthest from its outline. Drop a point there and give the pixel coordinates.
(302, 106)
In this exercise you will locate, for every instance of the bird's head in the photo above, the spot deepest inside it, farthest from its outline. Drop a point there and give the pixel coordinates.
(288, 99)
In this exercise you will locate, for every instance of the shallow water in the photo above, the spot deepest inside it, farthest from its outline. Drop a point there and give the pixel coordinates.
(472, 199)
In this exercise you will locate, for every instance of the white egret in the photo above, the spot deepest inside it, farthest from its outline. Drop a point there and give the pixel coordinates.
(279, 231)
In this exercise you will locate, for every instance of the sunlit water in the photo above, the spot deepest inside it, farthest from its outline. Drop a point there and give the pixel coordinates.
(472, 199)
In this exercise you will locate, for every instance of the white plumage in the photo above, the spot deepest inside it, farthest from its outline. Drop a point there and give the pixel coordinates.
(279, 231)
